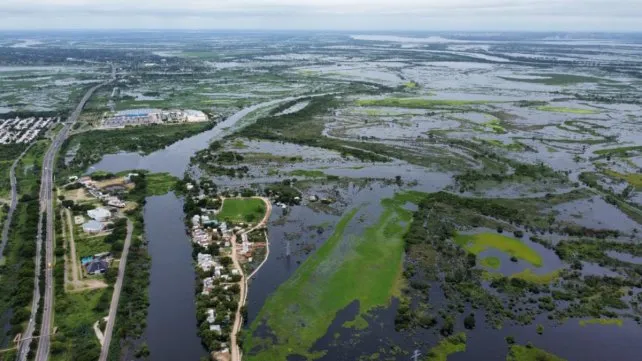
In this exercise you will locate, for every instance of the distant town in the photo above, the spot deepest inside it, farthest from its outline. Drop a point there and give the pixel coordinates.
(23, 130)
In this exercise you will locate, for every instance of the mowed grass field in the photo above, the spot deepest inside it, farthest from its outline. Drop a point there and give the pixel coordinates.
(478, 243)
(242, 210)
(366, 268)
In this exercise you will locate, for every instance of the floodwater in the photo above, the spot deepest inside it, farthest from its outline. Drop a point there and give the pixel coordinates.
(171, 323)
(175, 158)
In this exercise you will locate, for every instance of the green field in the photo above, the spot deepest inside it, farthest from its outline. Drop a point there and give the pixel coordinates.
(365, 268)
(242, 210)
(160, 183)
(547, 108)
(448, 346)
(530, 353)
(478, 243)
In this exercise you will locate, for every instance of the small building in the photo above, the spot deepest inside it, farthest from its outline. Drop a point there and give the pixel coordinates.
(99, 214)
(215, 328)
(97, 266)
(211, 316)
(93, 227)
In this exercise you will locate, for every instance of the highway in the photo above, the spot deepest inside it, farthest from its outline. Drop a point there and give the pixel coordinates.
(14, 202)
(113, 308)
(47, 200)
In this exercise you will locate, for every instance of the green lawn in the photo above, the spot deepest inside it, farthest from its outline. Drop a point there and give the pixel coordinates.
(547, 108)
(365, 268)
(478, 243)
(89, 246)
(242, 210)
(448, 346)
(525, 353)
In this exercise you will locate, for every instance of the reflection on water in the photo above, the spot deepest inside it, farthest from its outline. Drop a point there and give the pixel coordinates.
(171, 322)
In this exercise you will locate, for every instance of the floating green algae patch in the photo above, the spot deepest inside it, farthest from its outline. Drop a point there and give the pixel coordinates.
(366, 268)
(491, 262)
(530, 353)
(478, 243)
(448, 346)
(547, 108)
(242, 210)
(602, 321)
(418, 103)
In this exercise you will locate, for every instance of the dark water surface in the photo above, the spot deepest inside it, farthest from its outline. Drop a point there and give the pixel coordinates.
(171, 322)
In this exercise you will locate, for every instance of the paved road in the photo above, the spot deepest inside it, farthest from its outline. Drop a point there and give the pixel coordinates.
(113, 308)
(238, 318)
(46, 208)
(13, 203)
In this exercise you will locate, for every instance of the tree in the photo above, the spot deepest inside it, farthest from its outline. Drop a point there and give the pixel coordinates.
(448, 327)
(469, 321)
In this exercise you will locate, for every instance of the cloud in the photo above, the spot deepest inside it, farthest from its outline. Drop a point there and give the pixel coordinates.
(335, 14)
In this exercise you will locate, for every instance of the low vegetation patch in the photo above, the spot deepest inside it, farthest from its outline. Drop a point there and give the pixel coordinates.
(478, 243)
(448, 346)
(242, 210)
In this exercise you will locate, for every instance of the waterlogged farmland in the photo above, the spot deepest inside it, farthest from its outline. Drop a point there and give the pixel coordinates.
(469, 197)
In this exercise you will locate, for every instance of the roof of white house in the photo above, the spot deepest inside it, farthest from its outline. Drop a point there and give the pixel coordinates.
(92, 226)
(99, 213)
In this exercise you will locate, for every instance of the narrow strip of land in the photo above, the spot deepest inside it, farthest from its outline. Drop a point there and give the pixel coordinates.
(238, 318)
(113, 308)
(13, 203)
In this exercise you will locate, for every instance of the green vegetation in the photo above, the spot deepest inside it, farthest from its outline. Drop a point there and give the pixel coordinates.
(620, 152)
(602, 321)
(75, 315)
(160, 183)
(304, 128)
(237, 210)
(302, 309)
(566, 110)
(634, 179)
(307, 173)
(478, 243)
(447, 346)
(90, 146)
(556, 79)
(18, 268)
(530, 353)
(541, 279)
(491, 262)
(417, 103)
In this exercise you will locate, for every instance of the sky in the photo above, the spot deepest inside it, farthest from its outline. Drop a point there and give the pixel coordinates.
(398, 15)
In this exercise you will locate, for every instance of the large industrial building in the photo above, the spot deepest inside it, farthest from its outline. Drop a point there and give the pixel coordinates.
(135, 117)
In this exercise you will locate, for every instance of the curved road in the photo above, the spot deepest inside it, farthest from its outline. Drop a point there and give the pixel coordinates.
(238, 319)
(14, 201)
(46, 208)
(113, 308)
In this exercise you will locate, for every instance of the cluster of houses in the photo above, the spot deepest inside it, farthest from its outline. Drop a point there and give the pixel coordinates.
(91, 188)
(23, 130)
